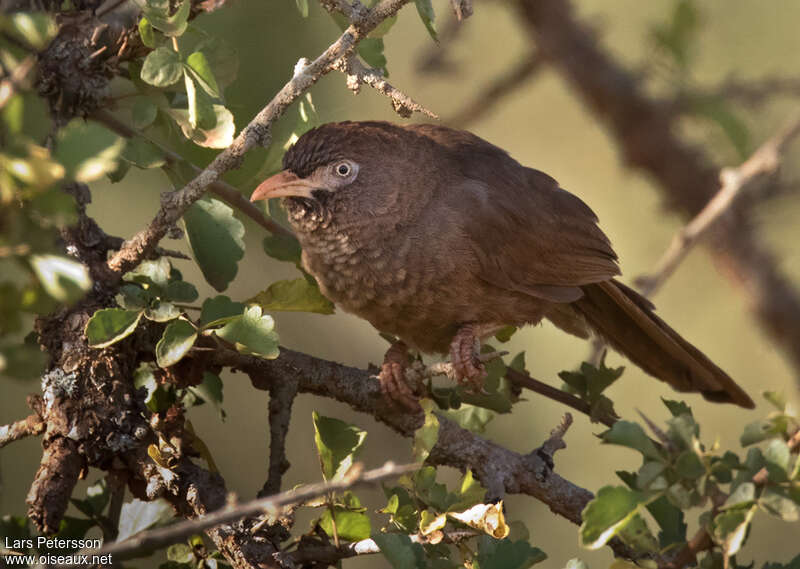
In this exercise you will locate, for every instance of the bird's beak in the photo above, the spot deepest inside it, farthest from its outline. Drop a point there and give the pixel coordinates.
(283, 184)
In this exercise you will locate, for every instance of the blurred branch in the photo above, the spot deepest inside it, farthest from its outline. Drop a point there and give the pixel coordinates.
(751, 93)
(222, 189)
(645, 132)
(501, 87)
(30, 426)
(764, 162)
(281, 398)
(258, 131)
(155, 539)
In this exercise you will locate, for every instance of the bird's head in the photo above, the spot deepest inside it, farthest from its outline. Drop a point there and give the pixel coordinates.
(345, 169)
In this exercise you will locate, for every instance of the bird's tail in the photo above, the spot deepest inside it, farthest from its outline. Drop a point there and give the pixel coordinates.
(626, 320)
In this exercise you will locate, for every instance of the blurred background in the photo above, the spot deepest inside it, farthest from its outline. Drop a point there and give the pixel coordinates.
(542, 124)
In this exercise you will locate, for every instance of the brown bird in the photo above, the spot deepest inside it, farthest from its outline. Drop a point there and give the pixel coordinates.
(441, 238)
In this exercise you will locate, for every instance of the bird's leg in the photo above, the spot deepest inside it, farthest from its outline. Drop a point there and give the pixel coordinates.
(464, 350)
(392, 377)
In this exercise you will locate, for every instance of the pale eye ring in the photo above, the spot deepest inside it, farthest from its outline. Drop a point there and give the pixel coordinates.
(343, 169)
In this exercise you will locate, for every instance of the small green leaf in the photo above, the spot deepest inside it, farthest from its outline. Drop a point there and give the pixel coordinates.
(220, 136)
(210, 390)
(427, 15)
(157, 12)
(730, 528)
(110, 325)
(252, 333)
(181, 291)
(216, 238)
(470, 417)
(671, 521)
(688, 465)
(62, 278)
(426, 436)
(783, 503)
(283, 248)
(607, 514)
(26, 114)
(218, 308)
(143, 154)
(677, 408)
(505, 334)
(161, 311)
(760, 431)
(298, 295)
(337, 444)
(778, 457)
(371, 50)
(628, 434)
(400, 551)
(180, 553)
(201, 109)
(146, 33)
(350, 525)
(201, 70)
(159, 397)
(162, 67)
(137, 516)
(176, 341)
(507, 554)
(87, 150)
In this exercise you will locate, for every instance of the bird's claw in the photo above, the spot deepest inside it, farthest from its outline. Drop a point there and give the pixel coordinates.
(392, 378)
(468, 369)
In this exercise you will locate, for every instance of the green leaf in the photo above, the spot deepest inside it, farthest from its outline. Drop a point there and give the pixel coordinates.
(181, 291)
(143, 154)
(688, 465)
(97, 496)
(778, 457)
(34, 28)
(159, 397)
(216, 238)
(63, 279)
(470, 417)
(110, 325)
(400, 551)
(180, 553)
(426, 436)
(26, 114)
(777, 399)
(87, 150)
(162, 67)
(157, 12)
(628, 434)
(371, 50)
(671, 521)
(507, 554)
(638, 536)
(782, 503)
(201, 109)
(198, 65)
(402, 509)
(220, 136)
(218, 308)
(298, 295)
(137, 516)
(337, 444)
(147, 34)
(730, 528)
(252, 333)
(677, 408)
(210, 390)
(760, 431)
(607, 514)
(161, 311)
(176, 341)
(427, 15)
(350, 525)
(505, 334)
(302, 7)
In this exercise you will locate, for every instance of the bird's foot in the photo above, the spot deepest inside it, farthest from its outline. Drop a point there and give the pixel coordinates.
(467, 366)
(392, 378)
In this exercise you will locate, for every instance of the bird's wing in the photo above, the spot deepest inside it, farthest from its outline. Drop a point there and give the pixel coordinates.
(532, 236)
(527, 233)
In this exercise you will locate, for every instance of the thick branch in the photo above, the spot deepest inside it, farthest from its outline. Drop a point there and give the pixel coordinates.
(646, 134)
(258, 131)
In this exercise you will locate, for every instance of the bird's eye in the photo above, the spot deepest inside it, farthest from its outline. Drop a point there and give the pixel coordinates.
(343, 169)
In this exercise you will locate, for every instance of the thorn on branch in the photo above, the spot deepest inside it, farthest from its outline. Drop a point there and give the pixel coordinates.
(556, 440)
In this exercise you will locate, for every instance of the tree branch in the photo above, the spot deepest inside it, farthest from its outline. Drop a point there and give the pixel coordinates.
(27, 427)
(155, 539)
(764, 162)
(258, 131)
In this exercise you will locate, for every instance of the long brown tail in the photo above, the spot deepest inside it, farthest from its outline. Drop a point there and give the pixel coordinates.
(626, 320)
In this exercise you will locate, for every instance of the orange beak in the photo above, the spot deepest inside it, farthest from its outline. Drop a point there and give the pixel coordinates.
(281, 185)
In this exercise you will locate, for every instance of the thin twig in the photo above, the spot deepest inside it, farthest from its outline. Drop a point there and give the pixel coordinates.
(526, 381)
(500, 87)
(258, 131)
(763, 162)
(154, 539)
(751, 93)
(32, 425)
(357, 73)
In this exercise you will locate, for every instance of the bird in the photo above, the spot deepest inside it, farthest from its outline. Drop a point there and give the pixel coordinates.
(441, 239)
